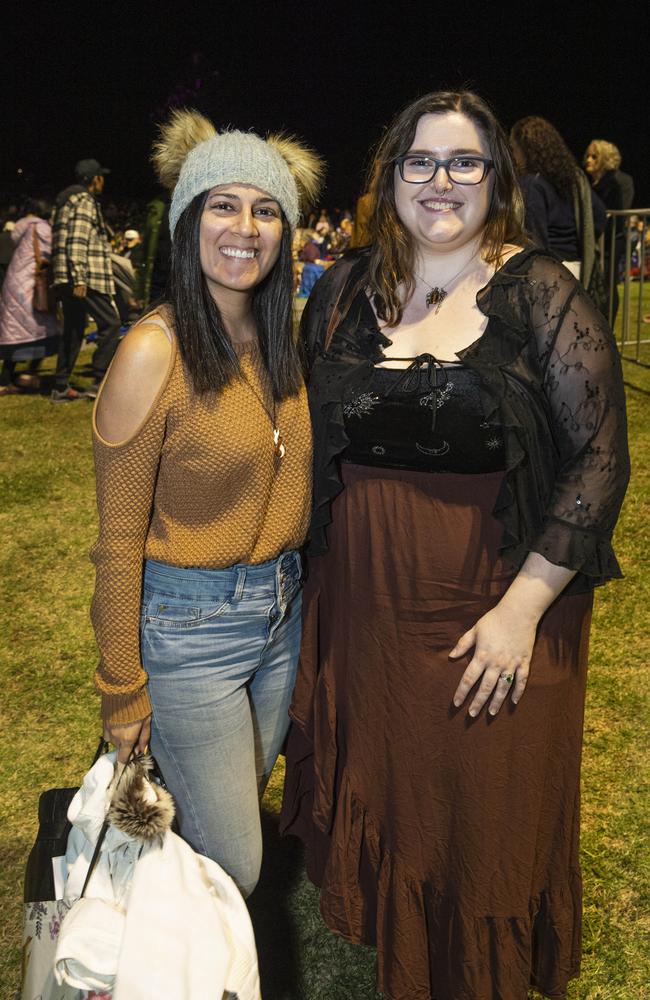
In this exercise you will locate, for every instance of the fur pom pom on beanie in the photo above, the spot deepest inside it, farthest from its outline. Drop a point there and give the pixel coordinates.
(191, 157)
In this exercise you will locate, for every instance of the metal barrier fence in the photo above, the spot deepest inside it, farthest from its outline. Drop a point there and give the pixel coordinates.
(625, 258)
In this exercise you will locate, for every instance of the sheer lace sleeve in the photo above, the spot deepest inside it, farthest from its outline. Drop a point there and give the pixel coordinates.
(583, 386)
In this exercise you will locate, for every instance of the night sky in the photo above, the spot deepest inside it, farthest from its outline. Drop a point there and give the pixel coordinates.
(93, 80)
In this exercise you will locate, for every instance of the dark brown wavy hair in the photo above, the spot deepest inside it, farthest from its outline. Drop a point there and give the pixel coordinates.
(392, 254)
(545, 152)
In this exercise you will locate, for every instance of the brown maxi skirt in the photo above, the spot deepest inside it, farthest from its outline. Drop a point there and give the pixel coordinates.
(448, 842)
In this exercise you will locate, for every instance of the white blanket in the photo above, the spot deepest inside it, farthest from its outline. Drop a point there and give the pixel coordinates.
(156, 921)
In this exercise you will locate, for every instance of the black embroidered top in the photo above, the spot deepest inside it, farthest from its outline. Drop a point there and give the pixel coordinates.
(428, 418)
(550, 380)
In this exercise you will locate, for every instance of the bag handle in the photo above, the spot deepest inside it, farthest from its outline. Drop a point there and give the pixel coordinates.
(102, 748)
(37, 249)
(95, 857)
(40, 261)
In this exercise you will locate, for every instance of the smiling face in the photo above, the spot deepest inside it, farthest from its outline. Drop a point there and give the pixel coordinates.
(240, 237)
(442, 216)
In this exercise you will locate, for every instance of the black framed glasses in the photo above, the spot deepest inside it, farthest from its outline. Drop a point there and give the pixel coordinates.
(419, 168)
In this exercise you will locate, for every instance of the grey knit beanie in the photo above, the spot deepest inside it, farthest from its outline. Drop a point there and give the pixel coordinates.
(235, 157)
(191, 157)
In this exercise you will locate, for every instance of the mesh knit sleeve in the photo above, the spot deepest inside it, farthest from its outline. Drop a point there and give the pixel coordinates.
(126, 476)
(583, 386)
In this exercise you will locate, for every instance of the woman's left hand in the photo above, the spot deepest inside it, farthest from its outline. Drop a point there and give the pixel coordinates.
(503, 643)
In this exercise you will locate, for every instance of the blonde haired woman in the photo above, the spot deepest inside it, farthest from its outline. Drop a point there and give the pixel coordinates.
(602, 161)
(616, 190)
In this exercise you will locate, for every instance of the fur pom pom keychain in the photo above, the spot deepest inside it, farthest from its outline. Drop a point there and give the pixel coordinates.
(140, 807)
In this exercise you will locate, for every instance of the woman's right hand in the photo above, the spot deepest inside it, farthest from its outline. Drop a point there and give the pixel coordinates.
(129, 738)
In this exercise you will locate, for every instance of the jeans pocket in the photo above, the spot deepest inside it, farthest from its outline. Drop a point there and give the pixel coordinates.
(253, 606)
(167, 612)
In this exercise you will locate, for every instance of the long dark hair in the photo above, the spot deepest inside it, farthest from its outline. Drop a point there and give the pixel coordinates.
(393, 254)
(545, 152)
(207, 350)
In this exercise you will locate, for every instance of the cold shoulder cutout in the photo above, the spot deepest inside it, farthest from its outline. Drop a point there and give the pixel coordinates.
(134, 383)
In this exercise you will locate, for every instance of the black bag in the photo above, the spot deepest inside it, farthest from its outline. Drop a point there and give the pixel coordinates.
(51, 839)
(43, 912)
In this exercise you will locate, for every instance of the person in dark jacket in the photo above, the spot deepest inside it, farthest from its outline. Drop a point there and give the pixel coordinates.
(470, 461)
(558, 202)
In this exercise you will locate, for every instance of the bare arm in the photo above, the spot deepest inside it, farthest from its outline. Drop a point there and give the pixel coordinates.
(128, 437)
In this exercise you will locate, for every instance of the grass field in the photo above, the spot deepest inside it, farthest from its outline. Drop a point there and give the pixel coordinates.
(49, 718)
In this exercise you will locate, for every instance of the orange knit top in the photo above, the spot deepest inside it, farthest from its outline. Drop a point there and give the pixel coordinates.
(198, 484)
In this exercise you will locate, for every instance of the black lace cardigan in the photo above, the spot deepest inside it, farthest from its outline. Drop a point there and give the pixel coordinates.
(550, 378)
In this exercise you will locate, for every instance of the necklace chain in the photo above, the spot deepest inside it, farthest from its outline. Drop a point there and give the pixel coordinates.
(438, 293)
(280, 449)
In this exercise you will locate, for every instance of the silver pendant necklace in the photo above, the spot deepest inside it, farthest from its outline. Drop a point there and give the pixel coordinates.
(279, 447)
(437, 293)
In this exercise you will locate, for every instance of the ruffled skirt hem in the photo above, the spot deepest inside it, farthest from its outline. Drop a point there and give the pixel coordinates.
(429, 946)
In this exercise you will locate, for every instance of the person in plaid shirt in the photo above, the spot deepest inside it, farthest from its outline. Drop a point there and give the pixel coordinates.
(83, 278)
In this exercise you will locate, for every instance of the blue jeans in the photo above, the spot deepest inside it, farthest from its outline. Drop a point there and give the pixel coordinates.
(221, 648)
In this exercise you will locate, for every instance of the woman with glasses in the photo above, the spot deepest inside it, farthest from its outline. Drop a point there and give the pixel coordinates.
(470, 462)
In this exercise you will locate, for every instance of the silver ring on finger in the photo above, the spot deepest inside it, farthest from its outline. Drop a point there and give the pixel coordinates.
(508, 678)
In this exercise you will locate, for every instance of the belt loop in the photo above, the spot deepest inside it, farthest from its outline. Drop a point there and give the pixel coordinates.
(239, 586)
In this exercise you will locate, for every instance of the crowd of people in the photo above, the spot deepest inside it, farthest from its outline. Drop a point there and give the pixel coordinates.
(564, 215)
(441, 458)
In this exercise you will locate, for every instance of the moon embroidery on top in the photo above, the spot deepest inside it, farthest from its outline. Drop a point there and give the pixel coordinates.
(442, 450)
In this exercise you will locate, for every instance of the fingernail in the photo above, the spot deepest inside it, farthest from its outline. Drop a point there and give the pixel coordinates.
(473, 712)
(515, 701)
(493, 711)
(457, 703)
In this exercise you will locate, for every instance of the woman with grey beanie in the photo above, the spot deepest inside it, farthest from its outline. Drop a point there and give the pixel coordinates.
(203, 459)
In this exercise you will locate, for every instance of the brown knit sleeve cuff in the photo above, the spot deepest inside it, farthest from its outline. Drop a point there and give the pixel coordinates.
(125, 709)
